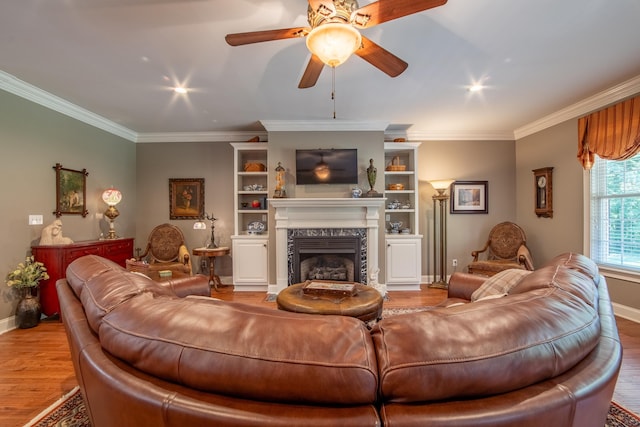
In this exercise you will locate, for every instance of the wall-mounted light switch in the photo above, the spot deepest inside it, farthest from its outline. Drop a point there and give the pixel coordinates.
(35, 219)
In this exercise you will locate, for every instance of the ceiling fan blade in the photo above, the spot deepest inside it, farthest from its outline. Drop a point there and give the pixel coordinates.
(386, 10)
(239, 39)
(312, 72)
(381, 58)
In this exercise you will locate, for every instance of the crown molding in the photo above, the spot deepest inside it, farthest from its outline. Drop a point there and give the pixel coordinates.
(322, 125)
(27, 91)
(214, 136)
(581, 108)
(442, 135)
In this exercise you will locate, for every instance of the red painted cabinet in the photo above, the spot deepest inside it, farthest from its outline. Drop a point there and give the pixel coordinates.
(57, 257)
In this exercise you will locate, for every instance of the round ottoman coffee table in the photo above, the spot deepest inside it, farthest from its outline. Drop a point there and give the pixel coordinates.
(365, 305)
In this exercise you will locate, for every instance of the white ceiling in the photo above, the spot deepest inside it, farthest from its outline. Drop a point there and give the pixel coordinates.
(118, 59)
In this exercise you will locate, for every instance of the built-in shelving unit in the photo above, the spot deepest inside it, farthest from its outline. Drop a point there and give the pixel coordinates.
(403, 245)
(250, 189)
(400, 170)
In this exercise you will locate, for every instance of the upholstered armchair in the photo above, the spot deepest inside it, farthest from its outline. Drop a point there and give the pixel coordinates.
(166, 250)
(506, 248)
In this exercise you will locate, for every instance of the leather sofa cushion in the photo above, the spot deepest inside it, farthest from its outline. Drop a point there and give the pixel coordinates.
(245, 351)
(101, 285)
(489, 347)
(579, 262)
(566, 280)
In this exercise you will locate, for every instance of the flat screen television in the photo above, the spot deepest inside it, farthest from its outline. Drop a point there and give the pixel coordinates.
(330, 166)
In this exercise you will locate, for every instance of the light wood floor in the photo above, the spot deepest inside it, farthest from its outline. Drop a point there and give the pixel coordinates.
(35, 369)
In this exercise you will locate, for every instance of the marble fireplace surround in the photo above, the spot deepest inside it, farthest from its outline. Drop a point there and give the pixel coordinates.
(325, 213)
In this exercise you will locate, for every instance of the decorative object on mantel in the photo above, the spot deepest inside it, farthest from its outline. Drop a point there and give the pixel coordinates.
(52, 234)
(280, 191)
(71, 191)
(26, 278)
(111, 197)
(440, 233)
(356, 192)
(372, 174)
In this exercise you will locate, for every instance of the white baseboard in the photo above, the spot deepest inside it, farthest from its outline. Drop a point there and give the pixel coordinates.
(625, 312)
(402, 287)
(7, 324)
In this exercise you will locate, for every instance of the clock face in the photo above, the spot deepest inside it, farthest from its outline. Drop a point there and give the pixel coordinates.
(542, 181)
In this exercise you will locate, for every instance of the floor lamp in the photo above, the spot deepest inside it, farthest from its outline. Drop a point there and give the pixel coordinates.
(440, 233)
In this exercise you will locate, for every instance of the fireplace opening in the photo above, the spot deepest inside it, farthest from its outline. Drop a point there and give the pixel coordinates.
(326, 258)
(327, 267)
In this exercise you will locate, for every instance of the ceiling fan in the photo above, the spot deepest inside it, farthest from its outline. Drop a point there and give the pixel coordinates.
(329, 19)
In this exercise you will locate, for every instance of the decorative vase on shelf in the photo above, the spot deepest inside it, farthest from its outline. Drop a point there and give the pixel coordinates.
(28, 310)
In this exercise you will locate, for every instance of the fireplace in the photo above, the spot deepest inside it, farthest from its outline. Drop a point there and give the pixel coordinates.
(326, 217)
(327, 254)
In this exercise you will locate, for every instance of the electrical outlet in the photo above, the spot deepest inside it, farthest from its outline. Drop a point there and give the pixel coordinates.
(387, 217)
(264, 217)
(454, 263)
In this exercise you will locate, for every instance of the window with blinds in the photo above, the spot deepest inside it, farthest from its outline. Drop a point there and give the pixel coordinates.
(615, 213)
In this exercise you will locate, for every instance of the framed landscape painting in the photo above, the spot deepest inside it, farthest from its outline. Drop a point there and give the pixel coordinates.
(71, 191)
(186, 198)
(469, 197)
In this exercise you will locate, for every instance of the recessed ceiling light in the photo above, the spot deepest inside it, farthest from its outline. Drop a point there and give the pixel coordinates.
(477, 87)
(180, 90)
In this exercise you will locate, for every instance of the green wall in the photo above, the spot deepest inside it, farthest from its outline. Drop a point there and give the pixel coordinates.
(32, 140)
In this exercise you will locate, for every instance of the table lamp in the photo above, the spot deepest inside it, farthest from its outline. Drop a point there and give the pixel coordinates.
(111, 197)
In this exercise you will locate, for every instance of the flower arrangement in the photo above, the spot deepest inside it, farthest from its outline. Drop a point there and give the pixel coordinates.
(27, 274)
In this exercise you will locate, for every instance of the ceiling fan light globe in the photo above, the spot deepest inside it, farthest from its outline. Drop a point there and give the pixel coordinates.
(333, 43)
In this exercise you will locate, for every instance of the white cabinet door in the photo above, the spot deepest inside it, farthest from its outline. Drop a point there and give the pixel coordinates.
(250, 262)
(403, 261)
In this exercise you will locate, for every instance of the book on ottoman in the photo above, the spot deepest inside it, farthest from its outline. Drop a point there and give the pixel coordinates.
(318, 287)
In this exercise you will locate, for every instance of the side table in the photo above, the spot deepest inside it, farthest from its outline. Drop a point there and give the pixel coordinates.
(211, 254)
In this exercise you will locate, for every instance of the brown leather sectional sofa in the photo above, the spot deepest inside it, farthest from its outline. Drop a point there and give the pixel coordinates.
(547, 353)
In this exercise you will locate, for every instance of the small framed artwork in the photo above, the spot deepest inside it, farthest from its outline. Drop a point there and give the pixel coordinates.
(186, 198)
(71, 191)
(470, 197)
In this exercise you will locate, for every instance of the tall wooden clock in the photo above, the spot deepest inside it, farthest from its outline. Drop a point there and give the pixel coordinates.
(543, 192)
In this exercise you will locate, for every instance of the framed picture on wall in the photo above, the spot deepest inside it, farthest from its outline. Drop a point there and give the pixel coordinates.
(470, 197)
(186, 198)
(71, 191)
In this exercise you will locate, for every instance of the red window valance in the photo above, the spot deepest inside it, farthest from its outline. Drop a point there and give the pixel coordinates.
(612, 133)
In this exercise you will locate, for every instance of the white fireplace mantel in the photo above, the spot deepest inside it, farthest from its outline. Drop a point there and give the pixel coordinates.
(324, 213)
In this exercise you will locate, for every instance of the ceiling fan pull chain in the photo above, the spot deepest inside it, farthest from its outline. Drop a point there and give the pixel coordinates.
(333, 89)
